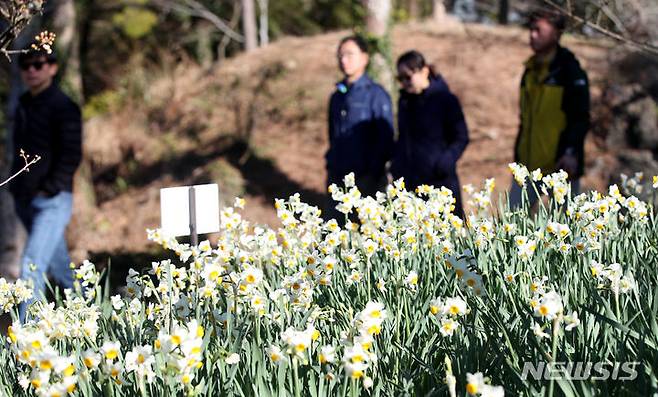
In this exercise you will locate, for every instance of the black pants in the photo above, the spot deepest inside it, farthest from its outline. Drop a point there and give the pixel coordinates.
(450, 182)
(368, 185)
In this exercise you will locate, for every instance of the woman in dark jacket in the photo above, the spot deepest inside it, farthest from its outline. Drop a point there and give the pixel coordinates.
(433, 132)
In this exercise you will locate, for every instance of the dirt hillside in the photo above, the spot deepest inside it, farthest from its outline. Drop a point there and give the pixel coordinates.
(190, 125)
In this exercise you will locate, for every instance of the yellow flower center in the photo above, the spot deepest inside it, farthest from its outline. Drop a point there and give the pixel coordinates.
(357, 374)
(357, 358)
(70, 370)
(11, 334)
(374, 329)
(472, 388)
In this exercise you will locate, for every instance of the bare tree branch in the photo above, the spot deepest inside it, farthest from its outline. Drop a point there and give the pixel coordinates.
(29, 160)
(233, 23)
(611, 16)
(646, 47)
(16, 14)
(196, 9)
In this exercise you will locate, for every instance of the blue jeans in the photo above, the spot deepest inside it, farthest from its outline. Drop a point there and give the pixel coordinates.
(45, 219)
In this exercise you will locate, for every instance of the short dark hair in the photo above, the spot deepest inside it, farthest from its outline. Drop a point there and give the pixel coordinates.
(359, 40)
(31, 53)
(412, 60)
(554, 17)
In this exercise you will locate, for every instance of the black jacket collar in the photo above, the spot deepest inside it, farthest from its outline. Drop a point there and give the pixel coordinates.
(42, 96)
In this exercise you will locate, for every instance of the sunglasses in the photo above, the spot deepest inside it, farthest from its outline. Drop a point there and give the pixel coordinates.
(36, 64)
(403, 78)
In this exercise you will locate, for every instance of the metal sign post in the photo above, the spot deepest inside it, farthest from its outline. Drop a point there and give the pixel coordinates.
(189, 211)
(193, 233)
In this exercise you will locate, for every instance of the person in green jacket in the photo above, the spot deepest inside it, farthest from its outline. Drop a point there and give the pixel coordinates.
(555, 106)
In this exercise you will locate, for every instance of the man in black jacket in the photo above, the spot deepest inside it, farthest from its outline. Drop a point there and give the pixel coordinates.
(47, 124)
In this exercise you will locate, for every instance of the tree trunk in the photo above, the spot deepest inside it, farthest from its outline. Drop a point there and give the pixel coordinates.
(263, 22)
(64, 19)
(414, 10)
(378, 15)
(64, 22)
(249, 25)
(503, 12)
(204, 45)
(88, 15)
(438, 11)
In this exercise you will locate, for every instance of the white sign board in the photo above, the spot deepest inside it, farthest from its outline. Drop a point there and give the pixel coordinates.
(175, 209)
